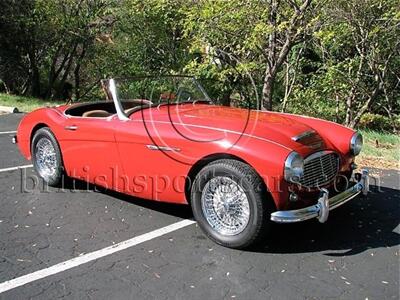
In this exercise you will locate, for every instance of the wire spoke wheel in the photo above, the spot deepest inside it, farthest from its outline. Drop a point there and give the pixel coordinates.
(46, 158)
(225, 205)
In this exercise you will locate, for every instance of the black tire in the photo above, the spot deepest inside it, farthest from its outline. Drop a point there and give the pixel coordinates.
(260, 203)
(53, 179)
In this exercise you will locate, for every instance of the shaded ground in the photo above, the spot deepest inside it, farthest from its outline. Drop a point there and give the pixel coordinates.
(355, 255)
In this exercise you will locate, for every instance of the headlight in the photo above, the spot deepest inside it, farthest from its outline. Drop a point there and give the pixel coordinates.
(356, 143)
(294, 167)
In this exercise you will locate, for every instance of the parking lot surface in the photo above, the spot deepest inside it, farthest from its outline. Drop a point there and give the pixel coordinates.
(355, 255)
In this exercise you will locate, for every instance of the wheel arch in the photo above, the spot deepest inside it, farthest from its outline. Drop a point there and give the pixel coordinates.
(201, 163)
(33, 131)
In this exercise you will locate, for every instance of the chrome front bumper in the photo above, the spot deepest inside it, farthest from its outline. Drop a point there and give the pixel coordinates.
(324, 205)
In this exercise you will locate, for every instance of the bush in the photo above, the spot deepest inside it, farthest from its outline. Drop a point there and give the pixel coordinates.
(378, 122)
(312, 102)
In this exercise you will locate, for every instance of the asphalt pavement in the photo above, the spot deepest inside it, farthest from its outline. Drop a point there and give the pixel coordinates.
(355, 255)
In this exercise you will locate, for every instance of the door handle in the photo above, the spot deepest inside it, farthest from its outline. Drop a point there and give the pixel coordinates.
(71, 127)
(162, 148)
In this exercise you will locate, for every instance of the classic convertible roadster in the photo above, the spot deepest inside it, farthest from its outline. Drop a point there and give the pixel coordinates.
(164, 139)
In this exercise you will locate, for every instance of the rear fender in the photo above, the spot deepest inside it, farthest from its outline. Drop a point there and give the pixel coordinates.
(43, 117)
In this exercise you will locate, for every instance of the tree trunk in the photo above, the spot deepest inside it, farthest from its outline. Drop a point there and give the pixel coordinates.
(226, 98)
(60, 89)
(53, 74)
(77, 71)
(35, 76)
(269, 78)
(337, 108)
(365, 108)
(6, 87)
(267, 91)
(287, 88)
(349, 110)
(77, 84)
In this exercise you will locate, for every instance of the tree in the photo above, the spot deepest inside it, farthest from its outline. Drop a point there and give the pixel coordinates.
(335, 59)
(47, 41)
(75, 27)
(20, 48)
(151, 30)
(359, 41)
(262, 32)
(281, 41)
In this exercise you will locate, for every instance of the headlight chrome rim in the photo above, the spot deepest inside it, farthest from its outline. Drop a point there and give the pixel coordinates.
(356, 143)
(292, 172)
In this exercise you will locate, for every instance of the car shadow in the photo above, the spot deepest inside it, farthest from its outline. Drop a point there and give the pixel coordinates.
(176, 210)
(364, 223)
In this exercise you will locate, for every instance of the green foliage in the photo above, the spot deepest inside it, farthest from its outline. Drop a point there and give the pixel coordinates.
(25, 104)
(343, 63)
(153, 33)
(360, 48)
(311, 102)
(381, 145)
(379, 122)
(350, 66)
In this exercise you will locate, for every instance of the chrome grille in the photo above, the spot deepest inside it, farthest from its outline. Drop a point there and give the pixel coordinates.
(320, 168)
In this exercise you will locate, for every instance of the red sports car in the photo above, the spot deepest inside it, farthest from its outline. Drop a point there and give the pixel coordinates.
(163, 139)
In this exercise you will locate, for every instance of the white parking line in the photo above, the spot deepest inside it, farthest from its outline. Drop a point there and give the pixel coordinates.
(76, 261)
(7, 132)
(15, 168)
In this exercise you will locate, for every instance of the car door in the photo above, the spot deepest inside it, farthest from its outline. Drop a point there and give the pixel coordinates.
(150, 159)
(156, 155)
(89, 149)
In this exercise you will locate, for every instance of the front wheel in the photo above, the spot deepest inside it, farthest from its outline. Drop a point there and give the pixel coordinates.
(230, 203)
(46, 156)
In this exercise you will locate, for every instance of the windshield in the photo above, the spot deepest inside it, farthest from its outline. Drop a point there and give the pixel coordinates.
(132, 94)
(155, 90)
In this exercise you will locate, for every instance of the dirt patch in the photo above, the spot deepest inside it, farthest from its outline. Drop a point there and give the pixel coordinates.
(377, 162)
(380, 145)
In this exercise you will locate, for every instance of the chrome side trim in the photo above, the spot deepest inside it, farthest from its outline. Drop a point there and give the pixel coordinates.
(162, 148)
(324, 205)
(303, 135)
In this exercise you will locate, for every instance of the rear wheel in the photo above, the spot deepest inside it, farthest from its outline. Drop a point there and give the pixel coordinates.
(46, 156)
(230, 203)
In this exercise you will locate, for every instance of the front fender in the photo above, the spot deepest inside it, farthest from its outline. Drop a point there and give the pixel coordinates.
(268, 160)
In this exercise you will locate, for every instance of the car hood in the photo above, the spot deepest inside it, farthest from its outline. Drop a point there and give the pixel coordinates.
(274, 127)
